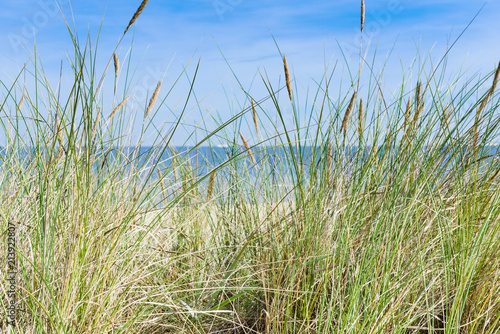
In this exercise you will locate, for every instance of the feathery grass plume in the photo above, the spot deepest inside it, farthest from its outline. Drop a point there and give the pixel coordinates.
(116, 63)
(247, 147)
(287, 78)
(360, 119)
(362, 15)
(118, 107)
(210, 186)
(136, 15)
(153, 99)
(96, 123)
(255, 117)
(20, 104)
(347, 113)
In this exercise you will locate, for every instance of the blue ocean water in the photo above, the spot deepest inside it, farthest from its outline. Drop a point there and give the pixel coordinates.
(200, 160)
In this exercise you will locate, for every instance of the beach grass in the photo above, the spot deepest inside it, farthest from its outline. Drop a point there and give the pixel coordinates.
(387, 222)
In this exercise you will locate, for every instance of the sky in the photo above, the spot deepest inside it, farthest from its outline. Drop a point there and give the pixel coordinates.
(237, 41)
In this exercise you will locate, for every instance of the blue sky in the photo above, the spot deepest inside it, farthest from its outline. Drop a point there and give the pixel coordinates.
(169, 33)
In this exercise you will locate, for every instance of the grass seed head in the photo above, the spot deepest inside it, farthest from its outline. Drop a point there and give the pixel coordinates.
(287, 78)
(116, 63)
(136, 15)
(420, 104)
(118, 107)
(407, 124)
(254, 112)
(96, 123)
(446, 114)
(20, 105)
(362, 15)
(210, 186)
(247, 147)
(408, 112)
(347, 113)
(153, 99)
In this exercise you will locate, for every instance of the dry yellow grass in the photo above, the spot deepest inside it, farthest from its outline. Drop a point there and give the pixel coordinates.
(174, 162)
(329, 161)
(162, 182)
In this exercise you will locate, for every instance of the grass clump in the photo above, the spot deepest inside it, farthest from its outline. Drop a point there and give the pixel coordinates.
(390, 225)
